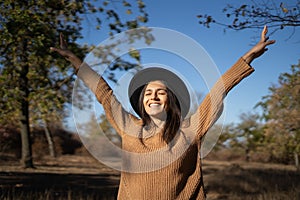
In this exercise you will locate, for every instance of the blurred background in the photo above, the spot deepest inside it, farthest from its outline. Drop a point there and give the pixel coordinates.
(41, 153)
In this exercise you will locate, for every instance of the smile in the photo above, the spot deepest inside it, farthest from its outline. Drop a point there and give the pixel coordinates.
(154, 104)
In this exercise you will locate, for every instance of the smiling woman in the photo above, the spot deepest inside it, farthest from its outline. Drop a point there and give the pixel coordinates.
(163, 100)
(160, 108)
(155, 100)
(161, 147)
(169, 81)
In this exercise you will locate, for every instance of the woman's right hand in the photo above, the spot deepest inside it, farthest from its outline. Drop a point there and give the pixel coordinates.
(70, 56)
(260, 48)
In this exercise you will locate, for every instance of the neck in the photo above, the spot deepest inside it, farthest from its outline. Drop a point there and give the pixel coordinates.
(157, 122)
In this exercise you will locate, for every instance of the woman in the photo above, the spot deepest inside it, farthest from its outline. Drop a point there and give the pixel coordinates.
(161, 159)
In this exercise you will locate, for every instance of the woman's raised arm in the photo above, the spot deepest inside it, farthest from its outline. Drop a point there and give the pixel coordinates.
(212, 105)
(117, 116)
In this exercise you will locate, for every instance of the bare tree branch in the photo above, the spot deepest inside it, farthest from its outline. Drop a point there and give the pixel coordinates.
(256, 15)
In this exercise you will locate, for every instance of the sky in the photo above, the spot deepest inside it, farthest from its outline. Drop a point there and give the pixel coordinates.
(223, 48)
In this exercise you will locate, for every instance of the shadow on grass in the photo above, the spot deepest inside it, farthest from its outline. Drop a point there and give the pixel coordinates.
(24, 185)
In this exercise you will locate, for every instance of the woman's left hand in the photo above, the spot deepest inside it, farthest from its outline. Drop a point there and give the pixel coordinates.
(259, 48)
(65, 52)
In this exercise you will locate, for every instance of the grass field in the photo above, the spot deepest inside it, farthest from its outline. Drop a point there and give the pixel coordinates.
(257, 181)
(78, 177)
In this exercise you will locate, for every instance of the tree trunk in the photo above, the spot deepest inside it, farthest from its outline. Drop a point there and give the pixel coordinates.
(49, 140)
(297, 161)
(247, 151)
(26, 160)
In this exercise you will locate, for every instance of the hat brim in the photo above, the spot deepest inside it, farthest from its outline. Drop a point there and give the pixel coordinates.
(174, 83)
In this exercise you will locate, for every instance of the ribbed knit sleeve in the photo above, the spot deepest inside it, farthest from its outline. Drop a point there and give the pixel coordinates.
(122, 121)
(212, 106)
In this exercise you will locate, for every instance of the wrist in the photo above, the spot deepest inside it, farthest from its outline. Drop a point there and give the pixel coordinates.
(248, 57)
(76, 62)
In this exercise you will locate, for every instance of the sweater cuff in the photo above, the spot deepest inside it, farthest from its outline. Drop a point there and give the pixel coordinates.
(236, 73)
(241, 58)
(245, 64)
(242, 67)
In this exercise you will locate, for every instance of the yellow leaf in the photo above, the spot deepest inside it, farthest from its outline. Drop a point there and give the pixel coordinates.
(285, 10)
(128, 12)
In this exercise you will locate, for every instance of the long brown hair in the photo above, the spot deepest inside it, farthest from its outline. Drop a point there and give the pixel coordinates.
(173, 115)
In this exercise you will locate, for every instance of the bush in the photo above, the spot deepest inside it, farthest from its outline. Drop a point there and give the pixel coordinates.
(10, 142)
(65, 142)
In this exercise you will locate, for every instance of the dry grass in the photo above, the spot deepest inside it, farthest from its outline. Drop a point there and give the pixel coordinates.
(81, 177)
(251, 181)
(62, 178)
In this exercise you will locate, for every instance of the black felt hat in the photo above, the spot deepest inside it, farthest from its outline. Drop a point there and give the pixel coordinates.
(173, 82)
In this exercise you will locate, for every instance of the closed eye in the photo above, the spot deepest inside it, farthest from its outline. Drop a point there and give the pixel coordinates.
(159, 92)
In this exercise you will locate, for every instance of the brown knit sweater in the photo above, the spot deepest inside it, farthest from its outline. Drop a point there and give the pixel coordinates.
(152, 169)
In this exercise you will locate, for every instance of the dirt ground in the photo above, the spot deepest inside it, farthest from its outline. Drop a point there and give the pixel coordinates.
(82, 177)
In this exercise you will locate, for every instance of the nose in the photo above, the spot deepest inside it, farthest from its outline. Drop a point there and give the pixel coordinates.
(154, 96)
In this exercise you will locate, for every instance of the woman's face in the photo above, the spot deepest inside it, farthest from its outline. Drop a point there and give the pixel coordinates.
(155, 99)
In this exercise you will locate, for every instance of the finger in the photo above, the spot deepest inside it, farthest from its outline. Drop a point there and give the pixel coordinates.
(264, 33)
(53, 49)
(265, 30)
(271, 42)
(60, 51)
(63, 43)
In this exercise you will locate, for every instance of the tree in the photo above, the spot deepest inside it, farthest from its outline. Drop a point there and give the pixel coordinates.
(225, 136)
(36, 85)
(249, 133)
(109, 131)
(246, 136)
(92, 129)
(282, 114)
(257, 14)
